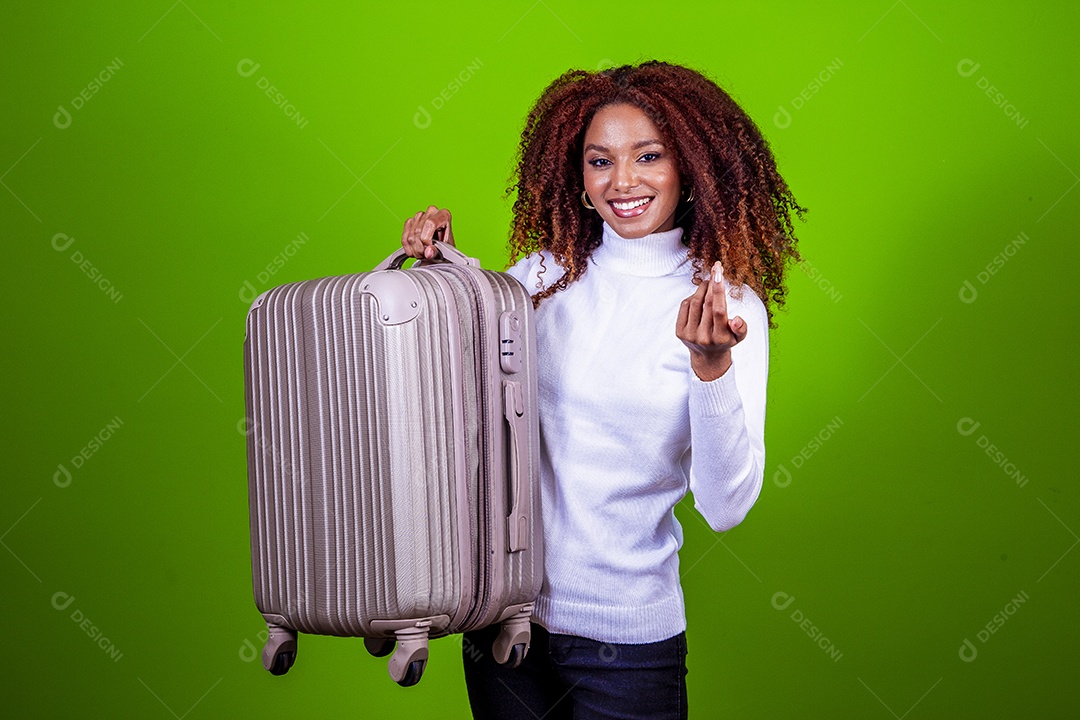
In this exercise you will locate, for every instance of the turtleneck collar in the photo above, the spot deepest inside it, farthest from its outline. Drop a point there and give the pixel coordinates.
(654, 255)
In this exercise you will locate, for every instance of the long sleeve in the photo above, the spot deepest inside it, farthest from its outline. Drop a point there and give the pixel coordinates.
(624, 432)
(727, 424)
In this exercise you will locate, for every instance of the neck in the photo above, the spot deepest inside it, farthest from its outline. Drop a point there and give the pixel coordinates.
(655, 255)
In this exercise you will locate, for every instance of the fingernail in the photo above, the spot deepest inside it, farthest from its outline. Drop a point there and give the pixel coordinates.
(717, 272)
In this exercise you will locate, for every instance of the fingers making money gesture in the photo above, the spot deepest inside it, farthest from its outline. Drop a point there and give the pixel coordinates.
(705, 328)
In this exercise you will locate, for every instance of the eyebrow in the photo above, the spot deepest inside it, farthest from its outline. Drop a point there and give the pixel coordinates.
(641, 143)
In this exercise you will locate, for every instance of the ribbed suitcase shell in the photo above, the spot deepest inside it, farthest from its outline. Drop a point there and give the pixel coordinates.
(379, 455)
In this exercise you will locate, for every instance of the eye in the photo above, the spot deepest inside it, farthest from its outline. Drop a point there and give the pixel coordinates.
(598, 162)
(649, 157)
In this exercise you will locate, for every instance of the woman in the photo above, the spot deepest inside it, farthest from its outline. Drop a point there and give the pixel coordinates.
(633, 184)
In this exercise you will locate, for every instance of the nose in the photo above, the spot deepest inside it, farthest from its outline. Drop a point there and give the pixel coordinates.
(624, 176)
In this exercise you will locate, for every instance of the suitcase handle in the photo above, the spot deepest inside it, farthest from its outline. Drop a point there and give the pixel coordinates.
(517, 522)
(448, 252)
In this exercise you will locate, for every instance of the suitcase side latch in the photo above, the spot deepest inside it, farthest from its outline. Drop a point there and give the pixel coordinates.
(517, 521)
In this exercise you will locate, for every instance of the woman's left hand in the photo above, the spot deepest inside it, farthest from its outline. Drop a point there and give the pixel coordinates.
(705, 328)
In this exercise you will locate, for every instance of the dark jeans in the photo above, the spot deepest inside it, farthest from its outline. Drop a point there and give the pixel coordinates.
(565, 676)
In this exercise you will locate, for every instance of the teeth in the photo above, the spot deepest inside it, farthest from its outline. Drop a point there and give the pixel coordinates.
(631, 205)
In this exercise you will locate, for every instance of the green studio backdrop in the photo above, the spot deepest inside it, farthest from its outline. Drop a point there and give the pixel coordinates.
(912, 553)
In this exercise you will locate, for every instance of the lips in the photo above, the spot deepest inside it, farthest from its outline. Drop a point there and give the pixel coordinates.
(630, 207)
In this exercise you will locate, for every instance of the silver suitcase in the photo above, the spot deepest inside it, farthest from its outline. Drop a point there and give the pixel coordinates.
(393, 464)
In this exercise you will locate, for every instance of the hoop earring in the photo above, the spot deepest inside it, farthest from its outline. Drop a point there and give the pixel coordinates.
(689, 198)
(585, 200)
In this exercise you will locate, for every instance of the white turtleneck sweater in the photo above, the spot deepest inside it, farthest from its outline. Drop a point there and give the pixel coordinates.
(620, 410)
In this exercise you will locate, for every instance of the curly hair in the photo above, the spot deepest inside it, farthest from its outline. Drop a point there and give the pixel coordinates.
(741, 210)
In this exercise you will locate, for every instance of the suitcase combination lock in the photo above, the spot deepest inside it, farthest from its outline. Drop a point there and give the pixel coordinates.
(510, 341)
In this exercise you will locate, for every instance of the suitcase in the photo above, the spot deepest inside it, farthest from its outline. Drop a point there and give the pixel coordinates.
(393, 460)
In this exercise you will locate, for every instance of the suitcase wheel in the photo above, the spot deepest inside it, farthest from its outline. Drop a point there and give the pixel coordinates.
(410, 656)
(282, 662)
(517, 654)
(512, 642)
(379, 647)
(413, 673)
(279, 653)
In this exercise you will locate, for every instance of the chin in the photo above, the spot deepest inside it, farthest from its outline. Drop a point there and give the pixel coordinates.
(633, 228)
(658, 214)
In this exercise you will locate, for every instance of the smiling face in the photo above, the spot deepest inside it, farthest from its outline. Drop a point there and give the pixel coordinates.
(630, 175)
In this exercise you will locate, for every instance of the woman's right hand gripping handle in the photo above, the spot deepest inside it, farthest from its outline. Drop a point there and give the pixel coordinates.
(423, 229)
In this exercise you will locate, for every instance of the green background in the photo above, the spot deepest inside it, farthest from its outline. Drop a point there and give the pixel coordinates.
(891, 531)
